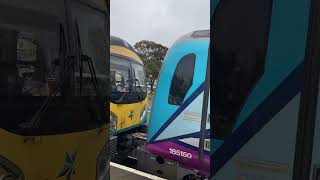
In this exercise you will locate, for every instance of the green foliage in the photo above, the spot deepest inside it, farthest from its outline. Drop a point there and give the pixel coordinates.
(152, 55)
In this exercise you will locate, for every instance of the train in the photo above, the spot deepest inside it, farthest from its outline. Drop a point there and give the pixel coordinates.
(179, 126)
(54, 84)
(128, 98)
(265, 90)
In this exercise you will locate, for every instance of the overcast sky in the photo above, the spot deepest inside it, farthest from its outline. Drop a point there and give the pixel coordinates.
(161, 21)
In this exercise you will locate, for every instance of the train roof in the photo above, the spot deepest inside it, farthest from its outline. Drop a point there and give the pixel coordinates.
(116, 41)
(200, 34)
(123, 48)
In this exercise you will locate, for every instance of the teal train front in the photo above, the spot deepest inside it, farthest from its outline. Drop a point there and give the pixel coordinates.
(179, 118)
(259, 51)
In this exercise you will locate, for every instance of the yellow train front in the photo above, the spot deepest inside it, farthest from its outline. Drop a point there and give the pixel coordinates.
(128, 102)
(53, 124)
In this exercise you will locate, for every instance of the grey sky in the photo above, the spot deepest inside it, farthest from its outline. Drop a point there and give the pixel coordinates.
(161, 21)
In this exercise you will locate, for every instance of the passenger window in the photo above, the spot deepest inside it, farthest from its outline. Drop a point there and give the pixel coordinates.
(182, 79)
(239, 53)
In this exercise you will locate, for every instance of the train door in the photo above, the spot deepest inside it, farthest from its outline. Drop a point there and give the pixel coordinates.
(258, 58)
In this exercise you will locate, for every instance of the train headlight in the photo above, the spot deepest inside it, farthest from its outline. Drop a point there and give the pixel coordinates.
(8, 171)
(113, 121)
(103, 164)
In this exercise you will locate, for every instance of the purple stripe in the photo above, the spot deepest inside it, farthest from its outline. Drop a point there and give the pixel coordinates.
(162, 149)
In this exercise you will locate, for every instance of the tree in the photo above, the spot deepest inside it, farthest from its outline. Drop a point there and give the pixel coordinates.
(152, 55)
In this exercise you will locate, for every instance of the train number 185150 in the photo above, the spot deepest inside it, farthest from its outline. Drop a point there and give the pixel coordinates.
(180, 153)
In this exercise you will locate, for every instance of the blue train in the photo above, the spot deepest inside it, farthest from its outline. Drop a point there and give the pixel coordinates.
(265, 84)
(179, 127)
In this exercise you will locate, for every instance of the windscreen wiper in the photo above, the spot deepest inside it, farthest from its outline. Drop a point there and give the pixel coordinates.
(122, 96)
(85, 58)
(34, 122)
(140, 88)
(37, 116)
(95, 82)
(126, 92)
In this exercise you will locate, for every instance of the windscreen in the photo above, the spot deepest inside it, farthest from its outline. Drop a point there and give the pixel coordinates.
(26, 59)
(34, 62)
(139, 82)
(119, 75)
(91, 25)
(127, 80)
(27, 71)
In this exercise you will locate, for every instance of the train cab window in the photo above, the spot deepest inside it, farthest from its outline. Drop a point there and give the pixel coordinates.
(239, 54)
(128, 80)
(91, 25)
(139, 83)
(119, 72)
(33, 62)
(29, 74)
(26, 62)
(182, 79)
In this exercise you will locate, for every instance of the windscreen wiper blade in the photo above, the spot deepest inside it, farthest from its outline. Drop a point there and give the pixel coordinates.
(34, 122)
(85, 58)
(122, 97)
(93, 75)
(126, 92)
(140, 88)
